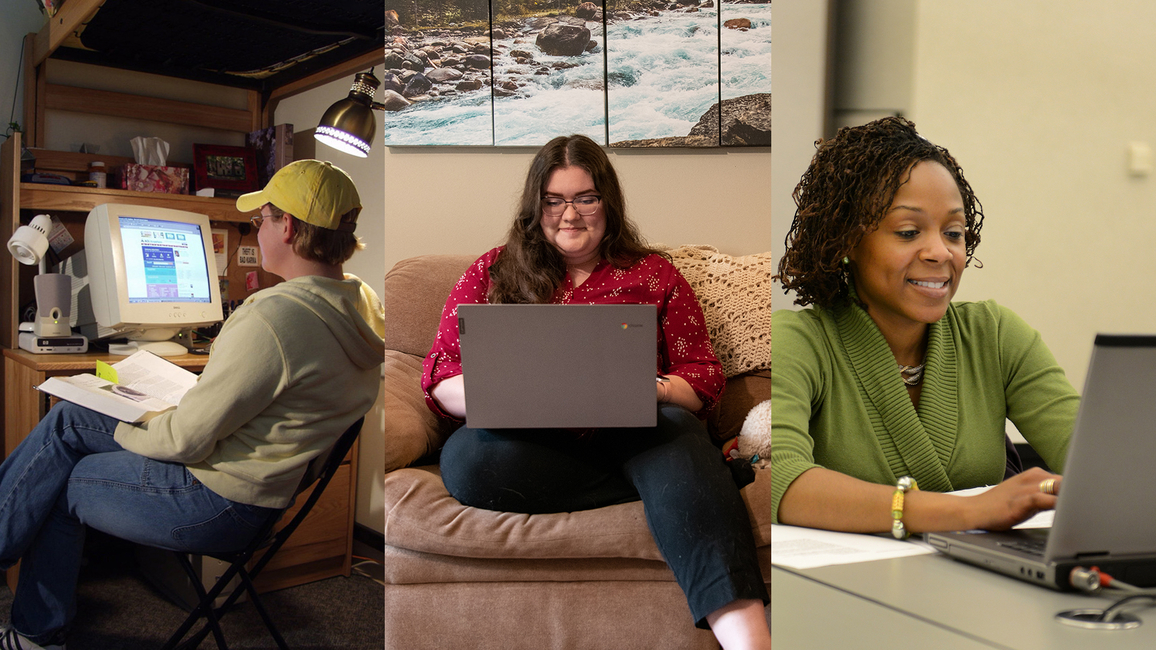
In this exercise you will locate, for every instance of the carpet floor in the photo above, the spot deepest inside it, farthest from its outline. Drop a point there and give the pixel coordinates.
(118, 609)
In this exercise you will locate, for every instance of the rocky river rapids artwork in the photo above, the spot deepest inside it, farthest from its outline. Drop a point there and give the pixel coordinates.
(627, 73)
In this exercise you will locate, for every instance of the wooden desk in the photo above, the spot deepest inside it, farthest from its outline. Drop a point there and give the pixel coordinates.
(933, 601)
(321, 547)
(24, 406)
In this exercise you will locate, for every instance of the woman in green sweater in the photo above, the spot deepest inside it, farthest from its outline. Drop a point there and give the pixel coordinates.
(885, 381)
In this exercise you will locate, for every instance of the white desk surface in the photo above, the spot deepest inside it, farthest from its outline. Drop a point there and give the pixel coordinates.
(935, 602)
(807, 614)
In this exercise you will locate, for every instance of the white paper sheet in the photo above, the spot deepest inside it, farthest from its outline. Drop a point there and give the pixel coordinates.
(807, 548)
(1040, 520)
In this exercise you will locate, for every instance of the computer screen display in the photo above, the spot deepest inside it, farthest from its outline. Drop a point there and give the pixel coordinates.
(164, 261)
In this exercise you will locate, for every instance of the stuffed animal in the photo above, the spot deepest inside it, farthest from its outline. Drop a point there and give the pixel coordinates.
(754, 441)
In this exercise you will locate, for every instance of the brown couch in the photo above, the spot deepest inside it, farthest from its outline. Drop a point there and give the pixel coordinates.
(460, 577)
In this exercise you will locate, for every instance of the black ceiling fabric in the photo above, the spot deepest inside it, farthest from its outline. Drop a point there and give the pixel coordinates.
(254, 44)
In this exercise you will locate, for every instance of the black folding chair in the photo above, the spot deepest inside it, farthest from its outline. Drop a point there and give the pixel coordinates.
(267, 540)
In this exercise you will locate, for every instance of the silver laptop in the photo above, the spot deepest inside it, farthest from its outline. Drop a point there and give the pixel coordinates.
(572, 366)
(1104, 513)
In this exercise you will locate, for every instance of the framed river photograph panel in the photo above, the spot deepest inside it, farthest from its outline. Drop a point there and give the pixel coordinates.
(549, 71)
(745, 71)
(662, 65)
(437, 73)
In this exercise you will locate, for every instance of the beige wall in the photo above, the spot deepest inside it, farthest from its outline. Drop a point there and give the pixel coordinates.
(1039, 101)
(801, 104)
(456, 200)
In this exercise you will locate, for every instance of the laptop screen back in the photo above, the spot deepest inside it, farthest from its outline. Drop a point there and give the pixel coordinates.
(571, 366)
(1109, 480)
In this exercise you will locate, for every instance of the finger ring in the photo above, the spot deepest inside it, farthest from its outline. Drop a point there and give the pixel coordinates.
(1048, 486)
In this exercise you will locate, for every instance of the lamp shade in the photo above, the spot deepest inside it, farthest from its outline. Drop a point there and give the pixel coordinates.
(29, 243)
(349, 124)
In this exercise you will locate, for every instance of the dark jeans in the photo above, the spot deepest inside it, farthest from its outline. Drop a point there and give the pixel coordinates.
(692, 505)
(69, 473)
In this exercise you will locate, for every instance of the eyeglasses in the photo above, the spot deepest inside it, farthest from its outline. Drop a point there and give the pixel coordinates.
(257, 219)
(553, 206)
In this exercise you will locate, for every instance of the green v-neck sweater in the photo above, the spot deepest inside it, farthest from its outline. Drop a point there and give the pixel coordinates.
(839, 402)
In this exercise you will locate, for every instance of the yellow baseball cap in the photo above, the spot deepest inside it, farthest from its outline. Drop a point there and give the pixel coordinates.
(314, 191)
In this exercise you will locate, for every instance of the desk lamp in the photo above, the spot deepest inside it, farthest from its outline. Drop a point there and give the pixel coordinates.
(29, 245)
(349, 125)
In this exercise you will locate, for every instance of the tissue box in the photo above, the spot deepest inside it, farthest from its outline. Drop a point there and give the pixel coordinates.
(153, 178)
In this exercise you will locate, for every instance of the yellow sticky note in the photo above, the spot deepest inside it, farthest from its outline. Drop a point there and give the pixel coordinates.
(106, 372)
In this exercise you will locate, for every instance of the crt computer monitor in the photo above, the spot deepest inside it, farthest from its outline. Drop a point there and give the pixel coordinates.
(151, 275)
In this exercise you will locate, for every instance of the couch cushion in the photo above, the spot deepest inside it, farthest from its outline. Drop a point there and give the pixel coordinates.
(420, 515)
(414, 294)
(735, 294)
(403, 566)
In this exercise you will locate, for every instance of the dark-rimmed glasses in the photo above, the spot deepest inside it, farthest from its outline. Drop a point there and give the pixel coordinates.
(553, 206)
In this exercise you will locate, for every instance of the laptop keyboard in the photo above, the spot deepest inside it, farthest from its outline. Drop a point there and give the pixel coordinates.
(1031, 546)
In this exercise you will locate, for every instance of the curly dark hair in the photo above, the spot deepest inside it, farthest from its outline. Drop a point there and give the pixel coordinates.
(530, 268)
(846, 192)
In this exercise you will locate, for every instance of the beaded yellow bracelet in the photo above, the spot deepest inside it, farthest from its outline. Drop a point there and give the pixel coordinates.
(898, 530)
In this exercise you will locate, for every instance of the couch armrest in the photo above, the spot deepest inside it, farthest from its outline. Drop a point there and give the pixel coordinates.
(742, 393)
(411, 429)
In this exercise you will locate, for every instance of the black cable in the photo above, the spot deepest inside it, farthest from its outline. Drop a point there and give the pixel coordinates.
(1115, 608)
(9, 129)
(229, 258)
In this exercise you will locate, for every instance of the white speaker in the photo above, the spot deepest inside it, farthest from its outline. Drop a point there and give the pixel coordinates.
(53, 304)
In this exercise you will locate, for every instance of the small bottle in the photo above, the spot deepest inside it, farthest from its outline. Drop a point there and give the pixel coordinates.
(97, 174)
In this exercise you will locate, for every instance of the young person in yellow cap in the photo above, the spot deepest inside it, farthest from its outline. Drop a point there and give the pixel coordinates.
(292, 368)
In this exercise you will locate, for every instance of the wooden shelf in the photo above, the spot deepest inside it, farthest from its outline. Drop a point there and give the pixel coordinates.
(42, 196)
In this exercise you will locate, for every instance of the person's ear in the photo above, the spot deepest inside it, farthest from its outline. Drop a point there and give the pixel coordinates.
(287, 228)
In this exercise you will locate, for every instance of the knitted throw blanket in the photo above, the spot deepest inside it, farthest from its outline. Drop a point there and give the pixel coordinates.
(735, 294)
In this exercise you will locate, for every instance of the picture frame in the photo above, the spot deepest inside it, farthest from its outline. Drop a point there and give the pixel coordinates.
(228, 169)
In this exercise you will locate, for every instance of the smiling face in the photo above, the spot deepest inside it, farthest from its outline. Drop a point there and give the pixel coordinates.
(908, 269)
(577, 237)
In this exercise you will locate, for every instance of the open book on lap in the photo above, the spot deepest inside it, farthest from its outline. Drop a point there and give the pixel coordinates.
(145, 385)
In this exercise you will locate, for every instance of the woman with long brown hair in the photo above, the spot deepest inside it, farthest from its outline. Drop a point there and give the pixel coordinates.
(571, 242)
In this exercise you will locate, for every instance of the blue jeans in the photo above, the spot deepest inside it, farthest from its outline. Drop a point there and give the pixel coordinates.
(69, 473)
(692, 505)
